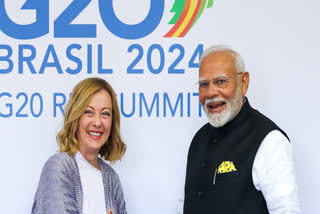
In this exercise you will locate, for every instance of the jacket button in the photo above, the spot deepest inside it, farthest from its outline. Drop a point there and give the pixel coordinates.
(200, 194)
(215, 140)
(203, 164)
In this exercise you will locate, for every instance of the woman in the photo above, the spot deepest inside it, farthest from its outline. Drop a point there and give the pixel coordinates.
(76, 180)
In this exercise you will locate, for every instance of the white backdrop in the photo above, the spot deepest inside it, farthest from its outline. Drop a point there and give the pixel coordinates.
(279, 41)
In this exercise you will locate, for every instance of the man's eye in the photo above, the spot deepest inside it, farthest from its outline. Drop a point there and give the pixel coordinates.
(203, 84)
(220, 81)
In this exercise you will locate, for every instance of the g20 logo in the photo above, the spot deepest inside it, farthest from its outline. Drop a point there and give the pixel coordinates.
(187, 12)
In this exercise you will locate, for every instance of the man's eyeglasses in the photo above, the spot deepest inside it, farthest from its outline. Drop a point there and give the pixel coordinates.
(220, 82)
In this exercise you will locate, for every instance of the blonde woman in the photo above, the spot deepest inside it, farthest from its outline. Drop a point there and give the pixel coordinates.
(76, 179)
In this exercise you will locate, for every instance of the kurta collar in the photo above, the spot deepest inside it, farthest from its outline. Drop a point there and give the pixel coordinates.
(216, 134)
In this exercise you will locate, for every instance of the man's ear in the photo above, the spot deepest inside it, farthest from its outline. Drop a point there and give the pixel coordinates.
(244, 83)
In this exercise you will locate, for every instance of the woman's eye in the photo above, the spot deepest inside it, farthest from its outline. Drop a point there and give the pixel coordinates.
(105, 113)
(88, 112)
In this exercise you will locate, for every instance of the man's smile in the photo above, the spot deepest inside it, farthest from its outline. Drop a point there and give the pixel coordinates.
(216, 106)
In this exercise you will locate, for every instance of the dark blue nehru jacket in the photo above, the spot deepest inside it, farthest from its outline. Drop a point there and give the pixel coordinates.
(210, 192)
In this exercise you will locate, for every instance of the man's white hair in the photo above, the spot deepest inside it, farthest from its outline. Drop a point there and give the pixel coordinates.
(239, 63)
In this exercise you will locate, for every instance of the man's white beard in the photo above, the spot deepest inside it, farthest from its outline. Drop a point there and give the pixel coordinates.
(223, 117)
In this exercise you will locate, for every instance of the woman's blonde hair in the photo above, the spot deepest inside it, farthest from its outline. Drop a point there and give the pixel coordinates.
(82, 93)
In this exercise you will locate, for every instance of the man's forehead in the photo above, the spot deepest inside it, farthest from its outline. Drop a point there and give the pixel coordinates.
(222, 57)
(219, 75)
(217, 64)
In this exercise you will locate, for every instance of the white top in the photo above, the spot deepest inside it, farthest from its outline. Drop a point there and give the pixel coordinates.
(273, 173)
(92, 187)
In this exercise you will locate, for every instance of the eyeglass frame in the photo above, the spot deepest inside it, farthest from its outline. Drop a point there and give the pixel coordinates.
(215, 80)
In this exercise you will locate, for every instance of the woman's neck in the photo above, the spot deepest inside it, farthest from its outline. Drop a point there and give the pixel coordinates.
(91, 158)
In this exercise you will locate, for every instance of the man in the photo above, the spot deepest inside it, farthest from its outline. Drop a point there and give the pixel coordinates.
(240, 162)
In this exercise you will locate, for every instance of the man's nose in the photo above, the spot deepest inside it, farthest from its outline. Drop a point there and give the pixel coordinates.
(212, 90)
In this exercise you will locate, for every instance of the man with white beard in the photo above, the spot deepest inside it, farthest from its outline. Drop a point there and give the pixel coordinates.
(240, 162)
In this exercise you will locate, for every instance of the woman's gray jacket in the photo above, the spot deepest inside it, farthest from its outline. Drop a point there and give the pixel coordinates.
(60, 191)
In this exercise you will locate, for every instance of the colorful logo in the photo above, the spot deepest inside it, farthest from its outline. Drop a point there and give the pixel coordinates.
(187, 13)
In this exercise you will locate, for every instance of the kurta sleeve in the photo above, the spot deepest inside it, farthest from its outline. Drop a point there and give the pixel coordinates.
(56, 192)
(274, 174)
